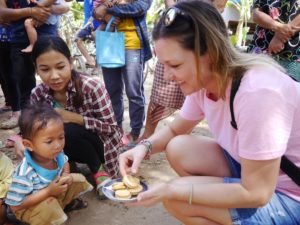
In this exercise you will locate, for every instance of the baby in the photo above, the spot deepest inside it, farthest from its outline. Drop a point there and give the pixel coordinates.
(42, 186)
(31, 24)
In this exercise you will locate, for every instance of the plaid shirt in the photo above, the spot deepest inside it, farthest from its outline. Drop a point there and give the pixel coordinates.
(137, 11)
(97, 113)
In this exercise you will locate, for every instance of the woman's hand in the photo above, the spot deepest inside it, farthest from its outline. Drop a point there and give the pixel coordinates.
(40, 13)
(130, 160)
(70, 117)
(275, 46)
(152, 196)
(285, 31)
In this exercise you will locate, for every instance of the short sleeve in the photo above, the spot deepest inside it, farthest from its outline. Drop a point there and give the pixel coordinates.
(265, 120)
(20, 187)
(191, 109)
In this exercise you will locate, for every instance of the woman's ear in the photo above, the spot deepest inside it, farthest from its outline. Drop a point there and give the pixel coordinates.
(28, 144)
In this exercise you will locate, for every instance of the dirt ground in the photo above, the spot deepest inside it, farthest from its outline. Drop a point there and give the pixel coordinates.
(106, 212)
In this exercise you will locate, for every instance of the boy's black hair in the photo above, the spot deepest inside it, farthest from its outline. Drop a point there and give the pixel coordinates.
(36, 117)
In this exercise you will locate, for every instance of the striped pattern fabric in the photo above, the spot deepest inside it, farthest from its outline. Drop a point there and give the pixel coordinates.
(26, 181)
(166, 96)
(97, 112)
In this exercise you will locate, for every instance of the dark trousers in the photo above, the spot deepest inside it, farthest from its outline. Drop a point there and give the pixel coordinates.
(5, 70)
(22, 79)
(83, 146)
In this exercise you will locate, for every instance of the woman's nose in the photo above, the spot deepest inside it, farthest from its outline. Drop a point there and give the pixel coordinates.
(54, 74)
(168, 75)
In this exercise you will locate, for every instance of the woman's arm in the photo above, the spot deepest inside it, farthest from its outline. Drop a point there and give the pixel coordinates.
(130, 160)
(136, 9)
(257, 185)
(8, 15)
(284, 31)
(178, 126)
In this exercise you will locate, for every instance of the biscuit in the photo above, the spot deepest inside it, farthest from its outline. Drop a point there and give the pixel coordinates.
(136, 190)
(118, 186)
(131, 181)
(124, 194)
(63, 180)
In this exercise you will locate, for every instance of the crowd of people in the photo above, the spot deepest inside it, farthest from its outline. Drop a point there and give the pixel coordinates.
(251, 103)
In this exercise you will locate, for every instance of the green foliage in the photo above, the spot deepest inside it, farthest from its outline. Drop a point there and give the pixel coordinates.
(244, 9)
(77, 10)
(154, 13)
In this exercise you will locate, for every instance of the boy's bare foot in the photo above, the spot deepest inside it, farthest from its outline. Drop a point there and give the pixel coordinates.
(28, 49)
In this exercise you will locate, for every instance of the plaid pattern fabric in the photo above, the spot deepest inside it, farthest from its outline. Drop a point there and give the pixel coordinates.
(292, 68)
(165, 93)
(97, 112)
(137, 11)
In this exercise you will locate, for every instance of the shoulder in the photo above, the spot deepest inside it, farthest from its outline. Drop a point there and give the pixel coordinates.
(23, 173)
(269, 83)
(91, 85)
(267, 78)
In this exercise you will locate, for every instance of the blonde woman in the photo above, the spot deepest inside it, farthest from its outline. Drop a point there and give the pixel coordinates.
(234, 177)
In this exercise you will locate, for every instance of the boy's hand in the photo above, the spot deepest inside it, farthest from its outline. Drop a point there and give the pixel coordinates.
(66, 179)
(57, 187)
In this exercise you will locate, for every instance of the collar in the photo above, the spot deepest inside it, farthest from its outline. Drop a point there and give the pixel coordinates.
(45, 174)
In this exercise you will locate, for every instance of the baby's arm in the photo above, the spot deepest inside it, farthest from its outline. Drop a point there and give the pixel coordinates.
(54, 189)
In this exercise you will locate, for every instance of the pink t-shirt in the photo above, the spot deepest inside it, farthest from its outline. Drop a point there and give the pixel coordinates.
(267, 112)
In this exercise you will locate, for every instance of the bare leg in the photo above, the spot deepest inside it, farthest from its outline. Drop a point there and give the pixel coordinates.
(31, 33)
(197, 160)
(89, 59)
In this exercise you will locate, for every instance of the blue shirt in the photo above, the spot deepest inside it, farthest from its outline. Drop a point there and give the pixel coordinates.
(138, 11)
(29, 178)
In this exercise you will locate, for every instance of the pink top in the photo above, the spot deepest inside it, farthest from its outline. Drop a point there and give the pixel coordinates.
(267, 112)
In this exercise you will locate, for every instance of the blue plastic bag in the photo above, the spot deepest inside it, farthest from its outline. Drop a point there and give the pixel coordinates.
(110, 47)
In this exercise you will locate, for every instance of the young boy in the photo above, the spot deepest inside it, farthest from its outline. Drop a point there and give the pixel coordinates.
(6, 171)
(42, 185)
(32, 24)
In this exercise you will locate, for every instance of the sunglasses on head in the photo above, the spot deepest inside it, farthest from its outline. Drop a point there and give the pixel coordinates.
(170, 15)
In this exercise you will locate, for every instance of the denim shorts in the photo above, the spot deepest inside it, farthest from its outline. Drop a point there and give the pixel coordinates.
(281, 209)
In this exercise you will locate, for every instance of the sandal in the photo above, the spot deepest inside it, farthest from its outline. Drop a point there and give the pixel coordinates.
(11, 123)
(10, 142)
(75, 204)
(5, 108)
(101, 178)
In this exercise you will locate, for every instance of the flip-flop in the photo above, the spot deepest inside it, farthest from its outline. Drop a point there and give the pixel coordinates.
(75, 204)
(101, 178)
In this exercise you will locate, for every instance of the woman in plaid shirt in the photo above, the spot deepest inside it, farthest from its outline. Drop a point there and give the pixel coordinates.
(91, 132)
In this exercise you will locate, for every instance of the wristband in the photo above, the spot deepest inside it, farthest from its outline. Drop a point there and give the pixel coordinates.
(148, 146)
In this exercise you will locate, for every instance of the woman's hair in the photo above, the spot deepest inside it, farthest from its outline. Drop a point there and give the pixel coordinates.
(36, 117)
(54, 43)
(202, 30)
